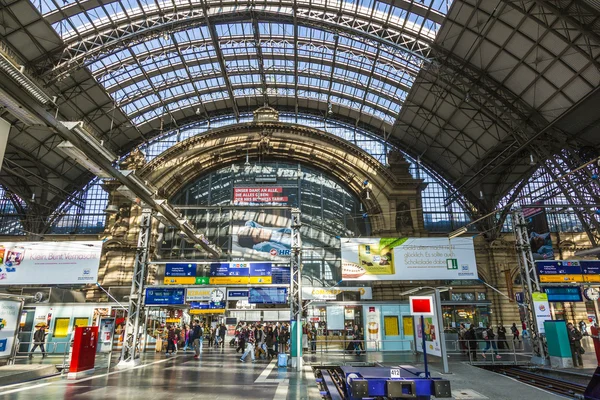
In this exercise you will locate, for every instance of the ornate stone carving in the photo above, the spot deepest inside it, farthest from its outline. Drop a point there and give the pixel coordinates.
(135, 160)
(264, 142)
(404, 220)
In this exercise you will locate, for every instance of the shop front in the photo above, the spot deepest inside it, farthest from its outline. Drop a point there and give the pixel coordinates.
(368, 326)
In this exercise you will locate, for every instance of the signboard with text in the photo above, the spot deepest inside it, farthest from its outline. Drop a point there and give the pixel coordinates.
(248, 195)
(368, 259)
(180, 269)
(568, 271)
(49, 263)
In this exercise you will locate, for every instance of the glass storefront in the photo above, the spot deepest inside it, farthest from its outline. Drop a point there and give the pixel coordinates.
(467, 314)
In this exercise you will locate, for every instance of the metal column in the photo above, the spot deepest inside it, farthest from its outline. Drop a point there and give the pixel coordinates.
(530, 282)
(296, 291)
(136, 315)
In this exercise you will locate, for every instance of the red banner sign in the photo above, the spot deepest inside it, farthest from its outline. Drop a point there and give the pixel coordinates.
(270, 194)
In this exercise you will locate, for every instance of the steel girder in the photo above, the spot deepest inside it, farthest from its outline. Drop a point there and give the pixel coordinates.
(86, 50)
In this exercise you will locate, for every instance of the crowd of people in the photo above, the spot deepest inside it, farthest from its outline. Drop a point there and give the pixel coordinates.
(260, 341)
(494, 341)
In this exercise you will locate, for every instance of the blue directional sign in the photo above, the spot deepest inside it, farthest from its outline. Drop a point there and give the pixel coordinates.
(229, 269)
(180, 270)
(164, 296)
(260, 269)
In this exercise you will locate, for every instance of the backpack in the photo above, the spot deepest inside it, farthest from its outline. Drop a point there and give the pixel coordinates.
(39, 336)
(197, 334)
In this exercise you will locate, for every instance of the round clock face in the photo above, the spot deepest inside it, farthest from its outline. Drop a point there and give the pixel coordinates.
(591, 294)
(217, 296)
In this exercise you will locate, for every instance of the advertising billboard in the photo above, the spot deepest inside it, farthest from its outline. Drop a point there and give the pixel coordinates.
(253, 195)
(261, 235)
(49, 263)
(9, 319)
(368, 259)
(539, 233)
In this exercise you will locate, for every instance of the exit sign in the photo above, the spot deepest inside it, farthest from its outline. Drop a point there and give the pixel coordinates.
(452, 263)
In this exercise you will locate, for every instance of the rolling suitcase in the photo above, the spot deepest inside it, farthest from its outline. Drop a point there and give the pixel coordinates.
(282, 360)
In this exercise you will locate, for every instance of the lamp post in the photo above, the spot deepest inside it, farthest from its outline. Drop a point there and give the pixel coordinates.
(440, 319)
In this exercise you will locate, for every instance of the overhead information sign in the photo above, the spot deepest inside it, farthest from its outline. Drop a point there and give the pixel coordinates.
(368, 259)
(164, 296)
(180, 270)
(49, 263)
(568, 271)
(227, 273)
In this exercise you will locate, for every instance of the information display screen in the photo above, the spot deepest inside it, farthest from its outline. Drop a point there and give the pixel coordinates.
(280, 275)
(568, 293)
(164, 296)
(269, 295)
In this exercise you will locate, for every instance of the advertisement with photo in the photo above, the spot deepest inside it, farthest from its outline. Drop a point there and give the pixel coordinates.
(9, 319)
(49, 263)
(539, 233)
(368, 259)
(432, 335)
(261, 235)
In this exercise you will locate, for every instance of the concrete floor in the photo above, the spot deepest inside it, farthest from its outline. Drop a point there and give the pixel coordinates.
(219, 375)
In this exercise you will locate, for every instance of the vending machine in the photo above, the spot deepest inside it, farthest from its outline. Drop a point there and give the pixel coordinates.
(105, 335)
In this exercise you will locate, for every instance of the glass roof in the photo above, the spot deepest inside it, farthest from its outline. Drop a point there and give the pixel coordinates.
(179, 68)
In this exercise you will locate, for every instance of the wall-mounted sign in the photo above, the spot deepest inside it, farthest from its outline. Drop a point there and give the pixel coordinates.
(367, 259)
(49, 263)
(164, 296)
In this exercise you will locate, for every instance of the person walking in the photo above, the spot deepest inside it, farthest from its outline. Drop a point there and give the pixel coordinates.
(471, 339)
(196, 338)
(313, 338)
(575, 342)
(515, 332)
(39, 339)
(212, 337)
(488, 336)
(249, 345)
(241, 339)
(222, 335)
(462, 340)
(524, 332)
(276, 338)
(270, 342)
(171, 338)
(502, 343)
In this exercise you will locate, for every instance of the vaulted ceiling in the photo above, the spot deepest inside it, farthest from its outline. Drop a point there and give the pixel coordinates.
(474, 89)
